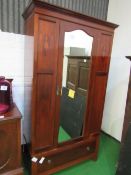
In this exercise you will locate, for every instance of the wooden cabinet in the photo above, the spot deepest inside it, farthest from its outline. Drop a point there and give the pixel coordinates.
(10, 143)
(78, 73)
(47, 25)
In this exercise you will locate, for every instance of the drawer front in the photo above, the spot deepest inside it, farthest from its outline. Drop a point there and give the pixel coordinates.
(62, 160)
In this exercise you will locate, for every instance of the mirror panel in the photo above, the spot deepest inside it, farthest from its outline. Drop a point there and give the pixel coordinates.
(75, 78)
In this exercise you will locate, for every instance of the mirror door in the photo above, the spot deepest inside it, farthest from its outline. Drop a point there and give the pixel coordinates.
(74, 85)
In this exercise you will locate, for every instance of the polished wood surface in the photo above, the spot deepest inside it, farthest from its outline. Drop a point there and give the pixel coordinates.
(18, 171)
(49, 25)
(44, 124)
(45, 82)
(10, 143)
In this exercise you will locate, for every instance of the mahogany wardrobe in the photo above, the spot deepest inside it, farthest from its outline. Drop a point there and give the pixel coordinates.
(71, 57)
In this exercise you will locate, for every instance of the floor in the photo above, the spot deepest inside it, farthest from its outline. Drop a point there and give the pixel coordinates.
(105, 165)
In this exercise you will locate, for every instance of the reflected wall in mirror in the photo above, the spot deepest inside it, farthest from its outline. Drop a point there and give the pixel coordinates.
(75, 79)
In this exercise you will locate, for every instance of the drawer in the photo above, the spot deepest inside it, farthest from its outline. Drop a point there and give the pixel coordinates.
(65, 158)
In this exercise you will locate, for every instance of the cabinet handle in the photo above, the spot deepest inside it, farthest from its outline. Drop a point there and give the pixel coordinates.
(58, 91)
(88, 148)
(49, 161)
(104, 51)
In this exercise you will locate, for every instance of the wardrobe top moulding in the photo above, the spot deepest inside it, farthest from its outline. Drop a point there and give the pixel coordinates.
(39, 7)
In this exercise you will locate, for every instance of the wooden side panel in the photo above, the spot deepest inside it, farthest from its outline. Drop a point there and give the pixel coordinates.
(46, 45)
(44, 118)
(9, 148)
(99, 82)
(29, 25)
(104, 52)
(45, 72)
(98, 103)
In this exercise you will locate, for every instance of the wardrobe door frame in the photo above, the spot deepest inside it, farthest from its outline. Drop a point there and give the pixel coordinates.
(36, 72)
(68, 27)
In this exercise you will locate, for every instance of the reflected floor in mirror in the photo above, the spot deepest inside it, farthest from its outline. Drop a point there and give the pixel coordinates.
(105, 164)
(63, 135)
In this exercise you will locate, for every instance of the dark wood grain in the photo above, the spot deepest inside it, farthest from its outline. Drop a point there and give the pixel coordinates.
(44, 127)
(10, 142)
(47, 48)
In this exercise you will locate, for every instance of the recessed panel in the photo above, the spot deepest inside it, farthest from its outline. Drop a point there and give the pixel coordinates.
(44, 115)
(47, 44)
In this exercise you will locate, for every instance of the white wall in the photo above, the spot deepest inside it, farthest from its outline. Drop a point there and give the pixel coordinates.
(77, 43)
(119, 12)
(12, 49)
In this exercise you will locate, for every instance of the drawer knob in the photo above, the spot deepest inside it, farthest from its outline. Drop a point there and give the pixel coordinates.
(88, 148)
(49, 161)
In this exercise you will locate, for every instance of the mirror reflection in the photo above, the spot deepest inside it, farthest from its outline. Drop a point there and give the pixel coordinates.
(75, 78)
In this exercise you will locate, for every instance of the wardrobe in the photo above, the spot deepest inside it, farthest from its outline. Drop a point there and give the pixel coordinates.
(57, 34)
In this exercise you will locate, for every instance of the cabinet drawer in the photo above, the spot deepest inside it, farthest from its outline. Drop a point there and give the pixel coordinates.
(65, 158)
